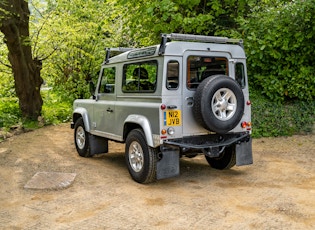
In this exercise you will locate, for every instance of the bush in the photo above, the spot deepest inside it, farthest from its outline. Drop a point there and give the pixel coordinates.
(9, 112)
(54, 111)
(281, 119)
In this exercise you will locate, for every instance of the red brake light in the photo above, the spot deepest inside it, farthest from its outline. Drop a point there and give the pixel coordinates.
(245, 124)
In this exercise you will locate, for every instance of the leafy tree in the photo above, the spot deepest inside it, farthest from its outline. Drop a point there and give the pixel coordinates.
(74, 36)
(280, 46)
(14, 24)
(144, 20)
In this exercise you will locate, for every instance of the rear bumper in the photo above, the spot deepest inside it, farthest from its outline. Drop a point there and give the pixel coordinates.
(209, 141)
(214, 145)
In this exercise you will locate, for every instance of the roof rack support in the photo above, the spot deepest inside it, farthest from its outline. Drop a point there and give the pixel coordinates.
(116, 49)
(163, 43)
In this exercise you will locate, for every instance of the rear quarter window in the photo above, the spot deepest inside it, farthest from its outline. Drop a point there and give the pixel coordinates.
(240, 74)
(140, 77)
(172, 78)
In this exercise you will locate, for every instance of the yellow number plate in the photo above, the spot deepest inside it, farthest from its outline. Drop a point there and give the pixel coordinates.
(173, 118)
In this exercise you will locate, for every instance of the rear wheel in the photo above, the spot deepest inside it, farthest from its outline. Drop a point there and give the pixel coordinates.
(226, 160)
(140, 158)
(81, 139)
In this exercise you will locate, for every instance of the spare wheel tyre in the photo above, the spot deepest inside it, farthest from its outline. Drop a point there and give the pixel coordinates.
(218, 103)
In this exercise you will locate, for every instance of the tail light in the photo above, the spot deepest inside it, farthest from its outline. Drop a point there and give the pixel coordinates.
(247, 125)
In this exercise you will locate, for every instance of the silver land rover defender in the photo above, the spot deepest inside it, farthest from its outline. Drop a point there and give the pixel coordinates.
(184, 97)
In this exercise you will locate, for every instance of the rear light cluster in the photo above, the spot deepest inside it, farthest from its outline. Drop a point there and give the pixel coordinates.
(169, 131)
(163, 131)
(247, 124)
(163, 106)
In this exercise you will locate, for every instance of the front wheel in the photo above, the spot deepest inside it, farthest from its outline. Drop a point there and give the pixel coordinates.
(140, 158)
(226, 160)
(81, 139)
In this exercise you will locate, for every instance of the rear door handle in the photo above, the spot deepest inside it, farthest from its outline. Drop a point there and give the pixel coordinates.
(172, 107)
(190, 101)
(110, 110)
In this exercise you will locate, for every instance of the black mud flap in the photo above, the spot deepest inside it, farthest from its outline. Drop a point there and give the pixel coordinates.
(244, 154)
(98, 144)
(168, 165)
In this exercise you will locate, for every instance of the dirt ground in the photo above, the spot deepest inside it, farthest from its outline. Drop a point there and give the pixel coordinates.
(276, 192)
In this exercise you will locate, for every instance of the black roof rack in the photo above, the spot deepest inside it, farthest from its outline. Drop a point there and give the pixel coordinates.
(197, 38)
(177, 37)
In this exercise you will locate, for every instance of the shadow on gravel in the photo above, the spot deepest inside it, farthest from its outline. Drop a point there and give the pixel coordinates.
(191, 169)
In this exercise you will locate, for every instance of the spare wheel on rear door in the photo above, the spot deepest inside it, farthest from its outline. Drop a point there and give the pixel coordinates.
(218, 103)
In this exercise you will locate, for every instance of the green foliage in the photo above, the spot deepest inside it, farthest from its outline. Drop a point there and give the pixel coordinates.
(55, 110)
(6, 86)
(216, 17)
(141, 22)
(9, 111)
(280, 46)
(72, 38)
(6, 78)
(271, 118)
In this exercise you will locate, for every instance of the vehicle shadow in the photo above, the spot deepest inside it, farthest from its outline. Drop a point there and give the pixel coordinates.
(191, 169)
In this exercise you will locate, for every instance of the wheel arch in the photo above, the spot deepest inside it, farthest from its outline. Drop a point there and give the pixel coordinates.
(82, 112)
(134, 121)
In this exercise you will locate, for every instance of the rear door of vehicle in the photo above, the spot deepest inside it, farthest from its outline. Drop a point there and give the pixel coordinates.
(198, 65)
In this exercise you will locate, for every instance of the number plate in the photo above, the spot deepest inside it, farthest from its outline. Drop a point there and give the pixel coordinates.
(173, 118)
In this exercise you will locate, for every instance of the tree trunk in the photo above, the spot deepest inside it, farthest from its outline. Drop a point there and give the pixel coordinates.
(14, 24)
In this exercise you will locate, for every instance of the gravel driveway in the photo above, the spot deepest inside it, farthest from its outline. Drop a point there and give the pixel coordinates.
(276, 192)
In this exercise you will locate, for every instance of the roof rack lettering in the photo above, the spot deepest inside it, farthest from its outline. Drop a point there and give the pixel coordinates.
(142, 52)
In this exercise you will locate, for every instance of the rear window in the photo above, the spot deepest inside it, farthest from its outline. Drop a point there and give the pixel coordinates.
(201, 67)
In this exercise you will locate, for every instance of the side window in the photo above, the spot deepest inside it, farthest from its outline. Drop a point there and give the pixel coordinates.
(172, 78)
(240, 74)
(108, 81)
(200, 67)
(140, 77)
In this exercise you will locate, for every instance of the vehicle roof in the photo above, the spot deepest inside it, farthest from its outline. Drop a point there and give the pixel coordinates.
(178, 48)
